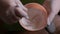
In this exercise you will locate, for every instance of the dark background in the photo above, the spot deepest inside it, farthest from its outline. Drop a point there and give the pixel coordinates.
(31, 1)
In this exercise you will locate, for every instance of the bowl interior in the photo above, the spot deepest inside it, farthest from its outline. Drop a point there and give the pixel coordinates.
(36, 21)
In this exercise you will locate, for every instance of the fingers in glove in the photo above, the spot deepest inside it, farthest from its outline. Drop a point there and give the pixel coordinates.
(19, 3)
(20, 12)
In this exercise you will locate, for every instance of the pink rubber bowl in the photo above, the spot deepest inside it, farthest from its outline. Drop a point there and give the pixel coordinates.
(37, 17)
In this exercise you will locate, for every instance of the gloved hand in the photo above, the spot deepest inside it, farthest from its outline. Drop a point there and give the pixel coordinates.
(12, 10)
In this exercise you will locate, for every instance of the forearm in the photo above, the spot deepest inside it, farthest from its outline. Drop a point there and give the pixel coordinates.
(55, 7)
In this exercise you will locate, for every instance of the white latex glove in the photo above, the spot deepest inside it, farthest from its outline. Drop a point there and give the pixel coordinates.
(12, 10)
(55, 7)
